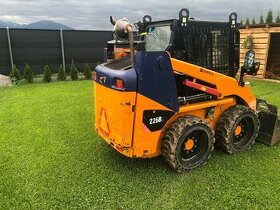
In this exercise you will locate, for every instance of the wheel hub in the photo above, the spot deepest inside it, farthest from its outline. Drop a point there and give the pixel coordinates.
(189, 144)
(238, 130)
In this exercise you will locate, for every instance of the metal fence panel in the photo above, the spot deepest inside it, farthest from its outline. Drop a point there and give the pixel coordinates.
(5, 63)
(40, 47)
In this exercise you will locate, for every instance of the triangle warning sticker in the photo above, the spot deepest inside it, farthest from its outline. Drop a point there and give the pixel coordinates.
(103, 124)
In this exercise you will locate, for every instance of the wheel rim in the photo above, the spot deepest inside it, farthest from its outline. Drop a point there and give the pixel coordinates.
(242, 131)
(194, 146)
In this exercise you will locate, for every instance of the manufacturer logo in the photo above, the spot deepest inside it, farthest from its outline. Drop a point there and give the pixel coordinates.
(102, 80)
(207, 72)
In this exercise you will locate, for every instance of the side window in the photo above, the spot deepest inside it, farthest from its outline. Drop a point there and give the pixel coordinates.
(158, 38)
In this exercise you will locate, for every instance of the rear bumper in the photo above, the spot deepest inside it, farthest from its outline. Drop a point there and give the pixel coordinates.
(127, 151)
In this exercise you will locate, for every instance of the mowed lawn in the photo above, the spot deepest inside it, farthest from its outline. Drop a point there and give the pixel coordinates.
(51, 158)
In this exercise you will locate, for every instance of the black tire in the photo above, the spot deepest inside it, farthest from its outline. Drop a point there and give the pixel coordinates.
(237, 129)
(188, 143)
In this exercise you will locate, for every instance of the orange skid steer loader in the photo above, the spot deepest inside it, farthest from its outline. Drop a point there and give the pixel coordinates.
(171, 90)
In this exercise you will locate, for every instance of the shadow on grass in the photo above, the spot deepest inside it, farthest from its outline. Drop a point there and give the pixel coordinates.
(115, 160)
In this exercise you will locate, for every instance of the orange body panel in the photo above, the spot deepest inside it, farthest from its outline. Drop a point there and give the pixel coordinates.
(145, 142)
(215, 108)
(227, 86)
(114, 117)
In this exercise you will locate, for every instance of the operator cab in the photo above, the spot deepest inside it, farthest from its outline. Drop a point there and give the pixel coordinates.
(213, 45)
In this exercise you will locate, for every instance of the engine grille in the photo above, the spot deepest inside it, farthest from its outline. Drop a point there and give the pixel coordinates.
(119, 64)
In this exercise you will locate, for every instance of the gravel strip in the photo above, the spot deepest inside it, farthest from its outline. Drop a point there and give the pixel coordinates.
(5, 81)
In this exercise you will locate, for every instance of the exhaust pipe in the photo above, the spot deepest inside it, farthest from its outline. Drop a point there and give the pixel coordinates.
(131, 41)
(123, 29)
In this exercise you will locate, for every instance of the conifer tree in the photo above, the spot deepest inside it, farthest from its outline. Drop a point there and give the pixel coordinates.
(47, 74)
(269, 18)
(73, 71)
(28, 74)
(61, 76)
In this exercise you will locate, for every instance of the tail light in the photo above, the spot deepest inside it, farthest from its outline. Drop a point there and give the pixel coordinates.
(119, 84)
(94, 75)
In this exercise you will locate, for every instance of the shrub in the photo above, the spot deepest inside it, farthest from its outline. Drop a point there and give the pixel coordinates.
(87, 72)
(61, 76)
(28, 74)
(15, 75)
(73, 71)
(47, 74)
(248, 42)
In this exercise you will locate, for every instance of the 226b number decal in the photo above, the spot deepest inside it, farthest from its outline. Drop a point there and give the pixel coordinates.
(155, 120)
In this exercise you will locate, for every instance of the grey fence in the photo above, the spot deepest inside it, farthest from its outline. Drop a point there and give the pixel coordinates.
(40, 47)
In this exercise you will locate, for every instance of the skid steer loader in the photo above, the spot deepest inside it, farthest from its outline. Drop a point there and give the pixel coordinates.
(172, 91)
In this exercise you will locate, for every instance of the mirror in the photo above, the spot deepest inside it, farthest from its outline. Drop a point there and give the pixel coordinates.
(250, 66)
(249, 59)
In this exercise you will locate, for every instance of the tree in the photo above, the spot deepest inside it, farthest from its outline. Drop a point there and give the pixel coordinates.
(277, 20)
(73, 71)
(269, 18)
(253, 21)
(15, 75)
(87, 72)
(28, 74)
(247, 21)
(261, 20)
(47, 74)
(241, 22)
(61, 76)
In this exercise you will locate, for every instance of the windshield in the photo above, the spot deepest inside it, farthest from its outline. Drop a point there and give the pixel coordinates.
(158, 38)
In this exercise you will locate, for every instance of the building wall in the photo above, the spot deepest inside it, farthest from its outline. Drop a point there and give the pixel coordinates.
(273, 61)
(261, 40)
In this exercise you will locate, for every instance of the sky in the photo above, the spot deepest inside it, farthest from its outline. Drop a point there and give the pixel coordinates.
(93, 14)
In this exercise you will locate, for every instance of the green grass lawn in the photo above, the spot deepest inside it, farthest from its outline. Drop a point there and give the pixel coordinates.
(51, 158)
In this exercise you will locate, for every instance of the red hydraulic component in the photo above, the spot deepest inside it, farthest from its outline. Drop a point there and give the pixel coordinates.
(203, 88)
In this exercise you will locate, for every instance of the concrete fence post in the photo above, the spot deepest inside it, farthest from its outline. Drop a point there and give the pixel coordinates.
(62, 50)
(10, 47)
